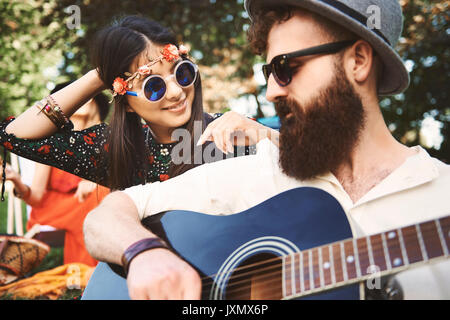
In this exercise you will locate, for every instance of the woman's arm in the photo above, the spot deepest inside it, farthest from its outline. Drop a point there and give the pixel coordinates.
(33, 136)
(77, 152)
(33, 124)
(33, 194)
(39, 185)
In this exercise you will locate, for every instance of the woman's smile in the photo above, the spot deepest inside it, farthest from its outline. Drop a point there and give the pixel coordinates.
(177, 107)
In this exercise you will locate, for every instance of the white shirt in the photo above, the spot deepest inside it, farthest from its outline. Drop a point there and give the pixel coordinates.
(417, 191)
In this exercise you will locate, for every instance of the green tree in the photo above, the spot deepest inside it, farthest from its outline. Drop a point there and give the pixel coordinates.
(425, 48)
(31, 44)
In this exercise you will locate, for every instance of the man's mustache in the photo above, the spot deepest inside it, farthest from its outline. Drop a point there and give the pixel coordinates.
(286, 110)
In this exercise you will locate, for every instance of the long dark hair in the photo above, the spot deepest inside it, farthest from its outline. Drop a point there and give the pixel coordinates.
(115, 48)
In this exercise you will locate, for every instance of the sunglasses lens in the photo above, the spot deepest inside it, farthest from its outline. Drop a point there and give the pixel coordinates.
(282, 72)
(155, 88)
(186, 74)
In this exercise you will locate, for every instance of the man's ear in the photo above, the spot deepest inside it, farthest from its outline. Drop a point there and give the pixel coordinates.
(362, 55)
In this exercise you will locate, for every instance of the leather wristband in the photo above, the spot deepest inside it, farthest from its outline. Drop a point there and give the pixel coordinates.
(139, 247)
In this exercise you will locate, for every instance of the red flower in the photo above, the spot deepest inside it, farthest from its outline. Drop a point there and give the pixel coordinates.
(92, 134)
(170, 52)
(44, 149)
(68, 152)
(120, 86)
(88, 140)
(151, 159)
(8, 145)
(106, 147)
(163, 177)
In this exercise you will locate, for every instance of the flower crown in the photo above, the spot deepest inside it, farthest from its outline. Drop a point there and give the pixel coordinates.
(169, 53)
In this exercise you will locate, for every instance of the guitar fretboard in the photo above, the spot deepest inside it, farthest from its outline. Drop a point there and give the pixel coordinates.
(355, 260)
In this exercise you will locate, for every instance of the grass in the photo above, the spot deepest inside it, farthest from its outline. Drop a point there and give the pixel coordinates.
(53, 259)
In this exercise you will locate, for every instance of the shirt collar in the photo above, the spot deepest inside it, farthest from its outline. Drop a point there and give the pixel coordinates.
(417, 169)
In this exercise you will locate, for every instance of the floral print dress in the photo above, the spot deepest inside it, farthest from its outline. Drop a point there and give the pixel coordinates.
(81, 152)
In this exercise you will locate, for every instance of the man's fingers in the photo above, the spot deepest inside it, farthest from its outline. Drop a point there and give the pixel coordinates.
(158, 274)
(193, 290)
(138, 293)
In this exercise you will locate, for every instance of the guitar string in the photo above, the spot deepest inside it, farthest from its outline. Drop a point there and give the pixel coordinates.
(315, 266)
(279, 274)
(268, 279)
(377, 244)
(342, 282)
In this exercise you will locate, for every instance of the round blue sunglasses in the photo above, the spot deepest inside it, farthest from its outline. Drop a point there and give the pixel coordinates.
(154, 87)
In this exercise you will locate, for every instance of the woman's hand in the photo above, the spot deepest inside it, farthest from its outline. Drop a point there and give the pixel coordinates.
(10, 173)
(235, 129)
(84, 189)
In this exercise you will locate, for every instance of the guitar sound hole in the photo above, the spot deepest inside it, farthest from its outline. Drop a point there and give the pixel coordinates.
(257, 278)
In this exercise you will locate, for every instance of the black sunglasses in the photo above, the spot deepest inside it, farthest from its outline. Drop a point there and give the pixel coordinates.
(281, 69)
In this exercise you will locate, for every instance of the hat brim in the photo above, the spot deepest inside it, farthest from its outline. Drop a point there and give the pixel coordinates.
(395, 77)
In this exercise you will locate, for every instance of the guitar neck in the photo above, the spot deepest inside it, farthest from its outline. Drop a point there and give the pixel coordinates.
(355, 260)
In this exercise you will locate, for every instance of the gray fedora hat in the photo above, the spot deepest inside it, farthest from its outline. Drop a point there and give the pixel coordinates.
(356, 16)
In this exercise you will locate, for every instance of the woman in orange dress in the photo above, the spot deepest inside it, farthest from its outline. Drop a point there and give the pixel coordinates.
(61, 208)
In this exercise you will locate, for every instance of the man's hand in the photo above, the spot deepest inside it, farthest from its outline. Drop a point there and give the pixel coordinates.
(158, 274)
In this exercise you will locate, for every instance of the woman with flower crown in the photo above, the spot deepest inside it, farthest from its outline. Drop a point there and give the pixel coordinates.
(156, 90)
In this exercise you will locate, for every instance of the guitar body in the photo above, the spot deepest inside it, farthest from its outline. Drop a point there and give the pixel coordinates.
(219, 246)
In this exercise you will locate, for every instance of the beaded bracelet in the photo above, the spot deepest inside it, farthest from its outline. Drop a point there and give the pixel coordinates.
(52, 110)
(63, 120)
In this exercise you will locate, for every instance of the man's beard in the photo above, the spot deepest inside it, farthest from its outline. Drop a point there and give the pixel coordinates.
(320, 135)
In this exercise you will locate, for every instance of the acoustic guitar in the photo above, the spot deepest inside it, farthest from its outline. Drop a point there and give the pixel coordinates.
(297, 244)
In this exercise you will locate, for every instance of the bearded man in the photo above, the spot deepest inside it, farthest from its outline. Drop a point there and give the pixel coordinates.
(326, 68)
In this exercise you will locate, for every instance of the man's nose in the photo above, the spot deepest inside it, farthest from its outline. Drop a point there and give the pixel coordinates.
(274, 90)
